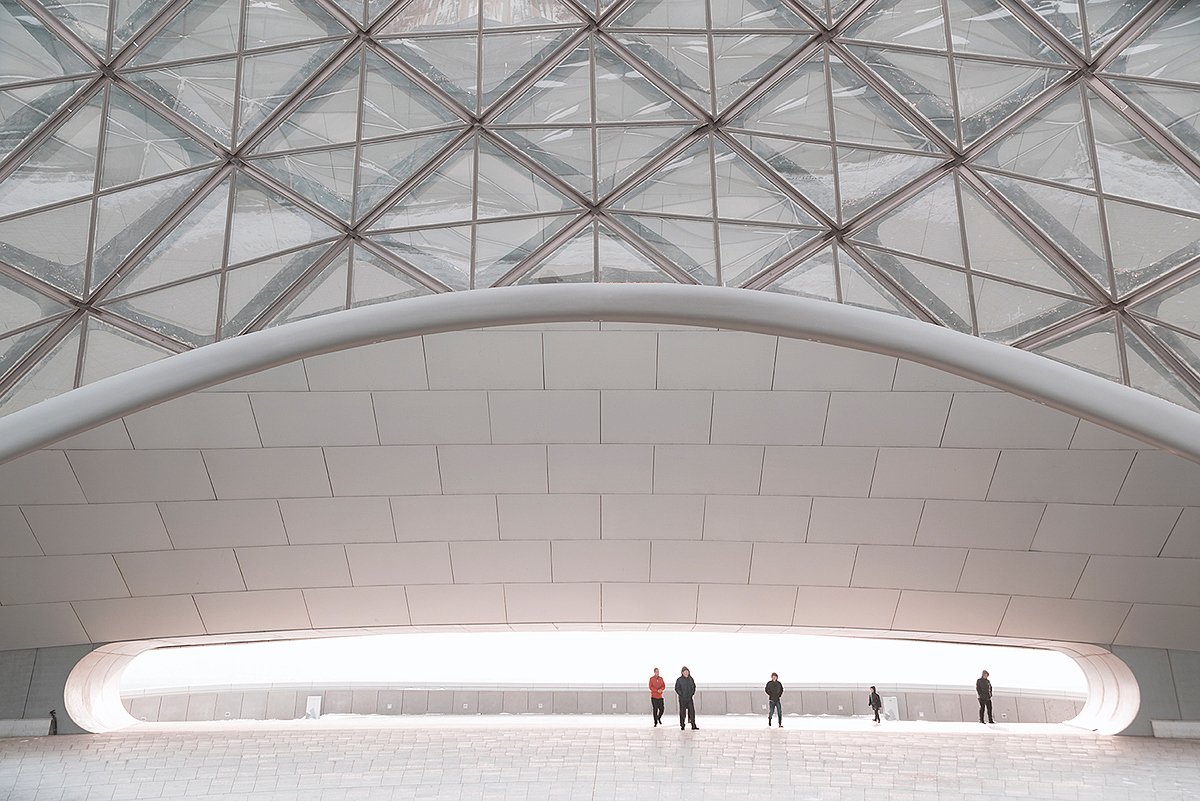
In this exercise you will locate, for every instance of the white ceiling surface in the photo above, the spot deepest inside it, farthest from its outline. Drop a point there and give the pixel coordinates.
(576, 475)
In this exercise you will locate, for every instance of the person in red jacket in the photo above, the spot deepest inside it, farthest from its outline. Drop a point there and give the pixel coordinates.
(657, 685)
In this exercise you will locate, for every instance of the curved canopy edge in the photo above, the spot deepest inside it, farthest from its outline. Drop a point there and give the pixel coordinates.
(1129, 411)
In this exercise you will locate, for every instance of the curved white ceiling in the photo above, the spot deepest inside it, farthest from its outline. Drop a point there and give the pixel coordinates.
(597, 474)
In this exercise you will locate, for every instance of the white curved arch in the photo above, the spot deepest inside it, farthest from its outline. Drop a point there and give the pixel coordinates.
(1129, 411)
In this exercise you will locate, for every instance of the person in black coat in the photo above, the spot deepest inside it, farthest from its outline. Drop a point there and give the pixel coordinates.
(774, 689)
(983, 688)
(875, 702)
(685, 688)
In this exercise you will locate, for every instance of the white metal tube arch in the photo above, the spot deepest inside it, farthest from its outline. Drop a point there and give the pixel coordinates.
(1128, 411)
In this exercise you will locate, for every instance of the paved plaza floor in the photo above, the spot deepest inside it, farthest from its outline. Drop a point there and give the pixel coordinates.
(598, 758)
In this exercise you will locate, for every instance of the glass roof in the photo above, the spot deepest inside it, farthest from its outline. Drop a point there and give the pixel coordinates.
(176, 172)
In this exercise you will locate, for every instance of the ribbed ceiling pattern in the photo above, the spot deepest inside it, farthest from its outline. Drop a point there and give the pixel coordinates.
(177, 172)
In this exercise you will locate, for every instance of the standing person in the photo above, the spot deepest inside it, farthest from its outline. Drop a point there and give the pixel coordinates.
(983, 688)
(657, 685)
(685, 688)
(875, 702)
(774, 689)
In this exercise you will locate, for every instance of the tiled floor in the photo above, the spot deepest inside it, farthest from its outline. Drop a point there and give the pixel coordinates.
(596, 758)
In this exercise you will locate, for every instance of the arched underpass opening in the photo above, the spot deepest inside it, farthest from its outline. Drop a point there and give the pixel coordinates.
(593, 672)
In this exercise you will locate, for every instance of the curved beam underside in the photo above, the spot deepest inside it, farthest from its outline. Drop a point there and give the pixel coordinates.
(1128, 411)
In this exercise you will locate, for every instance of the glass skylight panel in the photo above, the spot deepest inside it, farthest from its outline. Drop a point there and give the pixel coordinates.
(244, 165)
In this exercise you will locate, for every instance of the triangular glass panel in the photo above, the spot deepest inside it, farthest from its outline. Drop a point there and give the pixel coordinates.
(745, 194)
(329, 116)
(140, 144)
(625, 95)
(988, 28)
(502, 246)
(14, 347)
(444, 254)
(31, 52)
(509, 57)
(1063, 17)
(1147, 243)
(861, 288)
(916, 23)
(1178, 306)
(373, 280)
(925, 226)
(383, 166)
(203, 28)
(433, 15)
(747, 250)
(450, 62)
(1132, 166)
(624, 151)
(619, 262)
(108, 350)
(129, 17)
(375, 8)
(819, 10)
(324, 294)
(682, 186)
(815, 277)
(921, 79)
(1007, 313)
(797, 106)
(61, 168)
(1184, 347)
(1166, 50)
(126, 218)
(863, 116)
(506, 188)
(51, 245)
(996, 247)
(53, 375)
(1052, 146)
(990, 92)
(270, 78)
(1177, 110)
(741, 61)
(1149, 373)
(445, 196)
(282, 22)
(24, 109)
(325, 177)
(186, 313)
(806, 167)
(1107, 18)
(1095, 349)
(264, 222)
(566, 152)
(21, 306)
(688, 244)
(755, 15)
(250, 290)
(563, 96)
(681, 58)
(517, 15)
(193, 247)
(1070, 219)
(573, 262)
(394, 104)
(87, 19)
(867, 176)
(940, 291)
(672, 14)
(202, 93)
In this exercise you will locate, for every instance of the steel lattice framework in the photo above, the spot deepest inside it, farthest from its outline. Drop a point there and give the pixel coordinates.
(181, 171)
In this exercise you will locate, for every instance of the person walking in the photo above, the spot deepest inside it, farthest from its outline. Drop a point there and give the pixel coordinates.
(657, 685)
(983, 689)
(774, 689)
(685, 688)
(875, 702)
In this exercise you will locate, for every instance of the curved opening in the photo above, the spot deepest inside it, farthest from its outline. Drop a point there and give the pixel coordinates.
(481, 672)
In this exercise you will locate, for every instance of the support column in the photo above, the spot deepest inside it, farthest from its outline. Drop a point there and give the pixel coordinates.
(32, 683)
(1170, 686)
